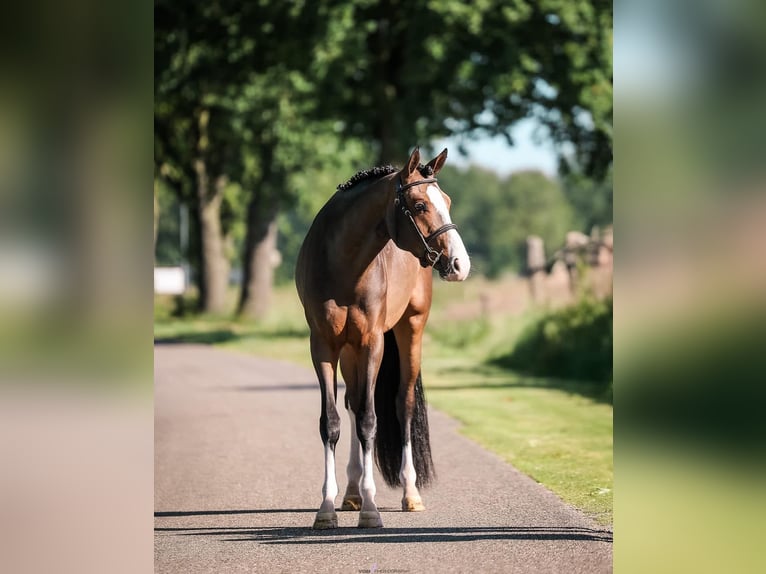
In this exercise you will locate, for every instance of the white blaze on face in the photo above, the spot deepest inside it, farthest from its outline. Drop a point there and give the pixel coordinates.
(456, 252)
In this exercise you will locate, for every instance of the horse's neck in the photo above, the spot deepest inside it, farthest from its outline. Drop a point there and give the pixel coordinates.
(364, 230)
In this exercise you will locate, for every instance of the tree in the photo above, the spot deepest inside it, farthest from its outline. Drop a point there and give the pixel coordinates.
(591, 199)
(425, 69)
(534, 205)
(291, 143)
(194, 151)
(496, 215)
(226, 77)
(248, 95)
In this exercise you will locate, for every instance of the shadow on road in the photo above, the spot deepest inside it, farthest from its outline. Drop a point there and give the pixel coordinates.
(497, 378)
(175, 513)
(208, 336)
(306, 535)
(199, 337)
(313, 386)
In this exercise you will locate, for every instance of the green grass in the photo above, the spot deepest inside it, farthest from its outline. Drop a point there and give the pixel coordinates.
(557, 431)
(548, 429)
(283, 333)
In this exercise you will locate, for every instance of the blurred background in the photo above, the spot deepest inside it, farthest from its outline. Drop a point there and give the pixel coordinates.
(690, 80)
(260, 111)
(76, 417)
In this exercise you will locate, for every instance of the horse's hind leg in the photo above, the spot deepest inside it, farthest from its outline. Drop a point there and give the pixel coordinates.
(368, 364)
(325, 363)
(352, 500)
(409, 340)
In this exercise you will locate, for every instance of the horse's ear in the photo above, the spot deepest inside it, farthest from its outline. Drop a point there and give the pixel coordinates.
(437, 163)
(414, 161)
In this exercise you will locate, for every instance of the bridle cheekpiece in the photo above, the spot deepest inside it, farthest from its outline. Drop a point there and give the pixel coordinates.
(431, 256)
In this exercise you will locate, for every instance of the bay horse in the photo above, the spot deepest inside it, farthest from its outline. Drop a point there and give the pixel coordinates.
(364, 277)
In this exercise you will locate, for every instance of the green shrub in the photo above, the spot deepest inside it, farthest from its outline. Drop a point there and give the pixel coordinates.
(570, 343)
(172, 307)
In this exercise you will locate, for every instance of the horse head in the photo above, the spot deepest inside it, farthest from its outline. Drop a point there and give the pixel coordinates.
(428, 231)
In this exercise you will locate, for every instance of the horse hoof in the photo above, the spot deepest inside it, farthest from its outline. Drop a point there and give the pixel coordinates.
(413, 505)
(370, 519)
(351, 502)
(325, 520)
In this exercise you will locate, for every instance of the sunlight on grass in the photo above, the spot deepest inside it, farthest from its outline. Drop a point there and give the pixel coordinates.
(557, 432)
(282, 334)
(560, 439)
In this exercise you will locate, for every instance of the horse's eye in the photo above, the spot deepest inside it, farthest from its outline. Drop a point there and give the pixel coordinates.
(420, 207)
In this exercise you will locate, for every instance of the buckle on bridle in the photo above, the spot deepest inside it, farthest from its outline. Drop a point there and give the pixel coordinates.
(432, 256)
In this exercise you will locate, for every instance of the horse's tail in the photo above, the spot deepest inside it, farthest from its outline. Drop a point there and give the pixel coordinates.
(388, 438)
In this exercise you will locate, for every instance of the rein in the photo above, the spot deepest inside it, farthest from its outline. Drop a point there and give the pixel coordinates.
(431, 256)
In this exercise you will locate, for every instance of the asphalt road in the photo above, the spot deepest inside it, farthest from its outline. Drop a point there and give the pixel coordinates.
(238, 478)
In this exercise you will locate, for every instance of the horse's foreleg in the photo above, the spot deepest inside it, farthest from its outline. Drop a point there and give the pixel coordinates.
(329, 429)
(352, 500)
(366, 423)
(409, 340)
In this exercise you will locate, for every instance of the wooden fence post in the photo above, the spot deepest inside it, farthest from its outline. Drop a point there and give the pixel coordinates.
(536, 267)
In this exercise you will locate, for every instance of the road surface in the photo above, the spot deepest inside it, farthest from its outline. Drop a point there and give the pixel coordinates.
(238, 478)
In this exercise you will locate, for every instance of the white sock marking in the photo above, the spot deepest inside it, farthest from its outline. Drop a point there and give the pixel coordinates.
(354, 468)
(330, 488)
(407, 474)
(368, 483)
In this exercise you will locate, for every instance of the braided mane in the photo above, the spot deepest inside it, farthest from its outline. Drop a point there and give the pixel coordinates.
(377, 173)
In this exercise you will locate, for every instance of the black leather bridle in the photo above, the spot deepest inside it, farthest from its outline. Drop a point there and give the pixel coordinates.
(430, 256)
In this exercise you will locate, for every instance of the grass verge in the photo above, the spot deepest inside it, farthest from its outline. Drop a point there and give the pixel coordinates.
(555, 434)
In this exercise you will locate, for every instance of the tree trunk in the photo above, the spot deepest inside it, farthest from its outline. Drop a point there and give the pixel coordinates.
(387, 44)
(260, 258)
(388, 149)
(156, 217)
(386, 124)
(214, 277)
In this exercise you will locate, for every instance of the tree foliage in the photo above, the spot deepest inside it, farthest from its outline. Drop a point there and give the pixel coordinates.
(282, 100)
(411, 71)
(234, 94)
(496, 215)
(591, 199)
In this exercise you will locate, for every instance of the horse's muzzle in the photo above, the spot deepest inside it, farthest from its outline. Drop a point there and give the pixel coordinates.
(452, 270)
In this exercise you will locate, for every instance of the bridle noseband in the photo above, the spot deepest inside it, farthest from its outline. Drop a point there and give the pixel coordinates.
(431, 256)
